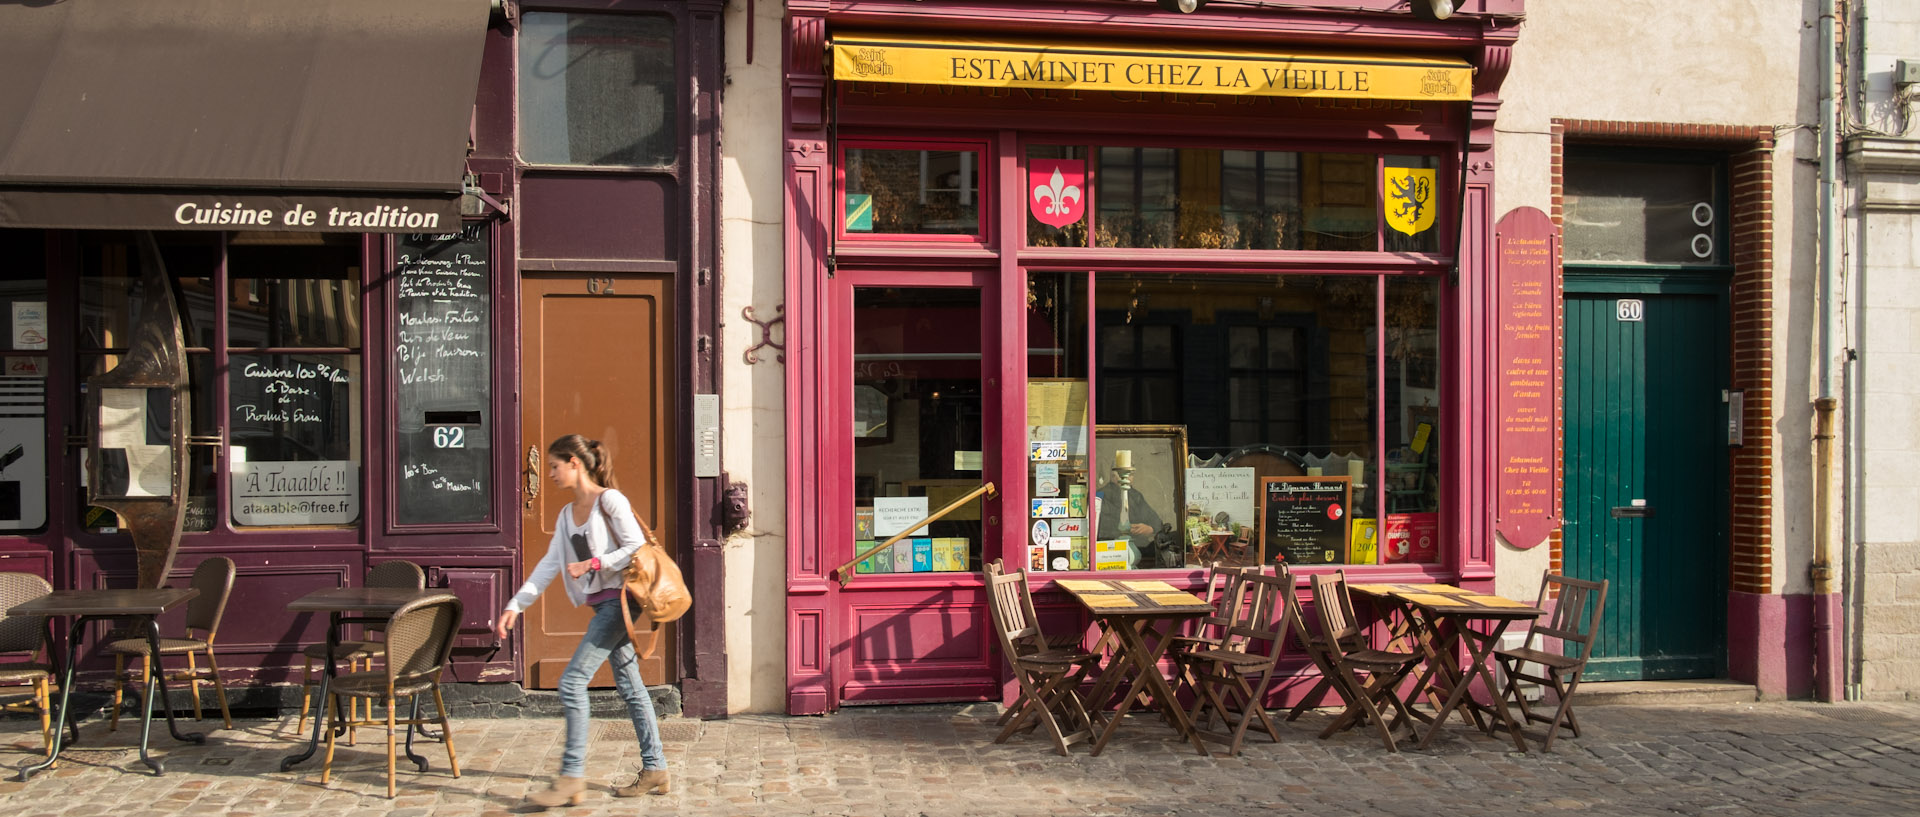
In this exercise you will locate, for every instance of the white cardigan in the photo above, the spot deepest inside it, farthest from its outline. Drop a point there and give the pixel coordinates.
(614, 555)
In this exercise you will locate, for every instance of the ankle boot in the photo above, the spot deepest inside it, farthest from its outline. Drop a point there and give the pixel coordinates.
(566, 791)
(650, 781)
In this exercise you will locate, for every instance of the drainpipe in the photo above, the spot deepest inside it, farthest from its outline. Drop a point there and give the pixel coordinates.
(1826, 637)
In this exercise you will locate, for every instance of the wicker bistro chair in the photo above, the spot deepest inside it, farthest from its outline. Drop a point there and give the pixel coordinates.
(1048, 676)
(1350, 656)
(27, 635)
(214, 579)
(1231, 678)
(419, 639)
(358, 655)
(1562, 672)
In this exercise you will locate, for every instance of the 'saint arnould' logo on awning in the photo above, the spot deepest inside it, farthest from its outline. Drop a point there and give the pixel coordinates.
(871, 62)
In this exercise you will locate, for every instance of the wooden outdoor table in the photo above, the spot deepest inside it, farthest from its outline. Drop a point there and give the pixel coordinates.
(1130, 613)
(1438, 619)
(89, 605)
(352, 605)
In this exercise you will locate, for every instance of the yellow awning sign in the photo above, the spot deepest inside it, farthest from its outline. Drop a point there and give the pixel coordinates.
(1107, 67)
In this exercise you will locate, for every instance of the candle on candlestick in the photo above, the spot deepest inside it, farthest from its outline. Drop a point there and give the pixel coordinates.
(1123, 458)
(1356, 469)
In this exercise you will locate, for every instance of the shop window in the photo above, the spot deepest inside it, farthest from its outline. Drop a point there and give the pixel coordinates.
(598, 90)
(1206, 199)
(1643, 207)
(273, 367)
(889, 191)
(917, 428)
(23, 384)
(1238, 418)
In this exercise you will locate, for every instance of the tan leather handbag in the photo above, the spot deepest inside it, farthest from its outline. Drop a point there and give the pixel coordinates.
(653, 584)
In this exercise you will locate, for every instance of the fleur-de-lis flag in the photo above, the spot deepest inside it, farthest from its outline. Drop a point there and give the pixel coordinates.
(1057, 190)
(1407, 197)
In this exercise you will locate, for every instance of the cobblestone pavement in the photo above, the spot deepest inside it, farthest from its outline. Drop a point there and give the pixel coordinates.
(1855, 760)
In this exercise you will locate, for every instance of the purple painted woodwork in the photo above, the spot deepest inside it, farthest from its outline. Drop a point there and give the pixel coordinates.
(601, 216)
(1526, 377)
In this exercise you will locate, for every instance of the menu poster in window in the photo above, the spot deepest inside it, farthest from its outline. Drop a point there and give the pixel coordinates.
(1224, 494)
(135, 459)
(1304, 519)
(443, 374)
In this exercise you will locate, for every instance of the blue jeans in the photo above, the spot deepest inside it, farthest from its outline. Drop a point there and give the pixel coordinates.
(606, 637)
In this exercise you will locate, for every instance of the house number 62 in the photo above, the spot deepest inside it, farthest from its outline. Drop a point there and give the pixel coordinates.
(599, 286)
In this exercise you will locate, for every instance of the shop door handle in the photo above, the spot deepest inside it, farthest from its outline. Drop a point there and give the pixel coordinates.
(1632, 511)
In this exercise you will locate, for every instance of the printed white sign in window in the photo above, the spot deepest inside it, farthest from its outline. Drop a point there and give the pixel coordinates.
(315, 492)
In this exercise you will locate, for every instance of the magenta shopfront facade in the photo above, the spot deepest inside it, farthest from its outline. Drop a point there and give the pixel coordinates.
(1138, 312)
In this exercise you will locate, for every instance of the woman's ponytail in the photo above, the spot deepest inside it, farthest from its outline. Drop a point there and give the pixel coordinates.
(597, 459)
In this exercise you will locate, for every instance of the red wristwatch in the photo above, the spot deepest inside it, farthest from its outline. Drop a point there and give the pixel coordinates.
(596, 564)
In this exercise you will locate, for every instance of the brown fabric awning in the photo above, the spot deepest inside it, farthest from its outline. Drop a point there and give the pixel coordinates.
(309, 115)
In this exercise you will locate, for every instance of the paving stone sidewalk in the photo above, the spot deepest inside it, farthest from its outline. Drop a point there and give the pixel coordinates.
(1857, 760)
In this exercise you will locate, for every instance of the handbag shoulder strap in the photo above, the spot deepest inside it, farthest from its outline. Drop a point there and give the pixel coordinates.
(646, 533)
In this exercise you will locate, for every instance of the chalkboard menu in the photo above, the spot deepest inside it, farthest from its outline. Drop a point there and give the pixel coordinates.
(443, 371)
(1303, 520)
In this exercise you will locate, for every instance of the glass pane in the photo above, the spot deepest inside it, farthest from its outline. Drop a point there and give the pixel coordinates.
(1414, 203)
(918, 434)
(23, 384)
(1064, 202)
(294, 438)
(1234, 199)
(1263, 376)
(1642, 212)
(293, 289)
(1338, 203)
(1413, 421)
(913, 192)
(597, 89)
(23, 294)
(112, 295)
(1056, 423)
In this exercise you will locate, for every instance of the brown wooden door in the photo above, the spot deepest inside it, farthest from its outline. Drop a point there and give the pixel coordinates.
(597, 359)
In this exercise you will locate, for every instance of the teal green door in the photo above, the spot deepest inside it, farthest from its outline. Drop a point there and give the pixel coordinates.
(1646, 476)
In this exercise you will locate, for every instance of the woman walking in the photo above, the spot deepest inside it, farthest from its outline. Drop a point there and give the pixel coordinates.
(593, 540)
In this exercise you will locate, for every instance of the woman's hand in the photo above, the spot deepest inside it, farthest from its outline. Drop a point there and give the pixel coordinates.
(505, 623)
(578, 569)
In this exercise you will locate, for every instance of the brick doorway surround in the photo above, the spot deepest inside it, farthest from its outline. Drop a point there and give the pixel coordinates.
(1749, 153)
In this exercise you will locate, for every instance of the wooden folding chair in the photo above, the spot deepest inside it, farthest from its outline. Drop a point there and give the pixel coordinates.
(1049, 677)
(1318, 651)
(1384, 668)
(1207, 632)
(1577, 628)
(1232, 678)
